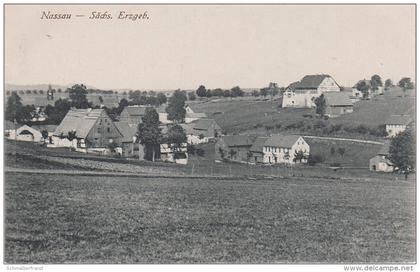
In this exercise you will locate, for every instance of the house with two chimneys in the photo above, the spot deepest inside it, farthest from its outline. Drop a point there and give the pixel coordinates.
(275, 149)
(303, 93)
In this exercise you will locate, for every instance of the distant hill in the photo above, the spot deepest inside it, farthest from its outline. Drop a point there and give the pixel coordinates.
(17, 87)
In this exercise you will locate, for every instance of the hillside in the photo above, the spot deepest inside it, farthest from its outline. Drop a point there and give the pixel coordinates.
(267, 117)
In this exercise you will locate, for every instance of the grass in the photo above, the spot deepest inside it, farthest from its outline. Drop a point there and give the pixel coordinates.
(266, 117)
(62, 219)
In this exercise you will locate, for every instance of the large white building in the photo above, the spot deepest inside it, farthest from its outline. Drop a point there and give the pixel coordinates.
(283, 149)
(303, 93)
(397, 123)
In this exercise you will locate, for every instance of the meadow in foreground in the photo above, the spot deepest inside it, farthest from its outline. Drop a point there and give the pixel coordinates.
(65, 219)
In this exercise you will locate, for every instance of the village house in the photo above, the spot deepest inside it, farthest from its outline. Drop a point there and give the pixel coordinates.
(163, 115)
(133, 114)
(337, 103)
(49, 128)
(168, 154)
(257, 150)
(283, 149)
(191, 115)
(233, 148)
(129, 147)
(202, 131)
(396, 124)
(93, 129)
(303, 93)
(10, 129)
(381, 163)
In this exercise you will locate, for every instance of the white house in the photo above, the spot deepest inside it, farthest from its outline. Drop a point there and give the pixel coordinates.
(167, 154)
(396, 124)
(202, 131)
(303, 93)
(283, 149)
(381, 163)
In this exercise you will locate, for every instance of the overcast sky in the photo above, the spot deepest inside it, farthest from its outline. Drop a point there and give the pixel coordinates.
(218, 46)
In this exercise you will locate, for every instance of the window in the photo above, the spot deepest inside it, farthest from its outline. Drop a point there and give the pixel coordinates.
(99, 130)
(108, 129)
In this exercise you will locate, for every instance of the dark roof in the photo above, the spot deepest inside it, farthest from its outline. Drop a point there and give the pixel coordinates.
(258, 144)
(311, 81)
(292, 86)
(136, 110)
(238, 140)
(337, 99)
(202, 124)
(128, 131)
(399, 120)
(282, 140)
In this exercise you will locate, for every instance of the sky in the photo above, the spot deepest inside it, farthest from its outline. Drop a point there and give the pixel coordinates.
(184, 46)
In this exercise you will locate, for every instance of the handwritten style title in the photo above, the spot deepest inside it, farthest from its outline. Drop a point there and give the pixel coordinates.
(97, 15)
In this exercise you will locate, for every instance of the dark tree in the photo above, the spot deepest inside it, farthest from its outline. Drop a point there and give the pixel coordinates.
(201, 91)
(376, 82)
(236, 91)
(264, 92)
(226, 93)
(191, 96)
(402, 151)
(321, 105)
(176, 138)
(341, 151)
(217, 92)
(299, 156)
(12, 106)
(77, 94)
(406, 83)
(44, 134)
(176, 107)
(388, 83)
(363, 87)
(71, 135)
(149, 133)
(161, 97)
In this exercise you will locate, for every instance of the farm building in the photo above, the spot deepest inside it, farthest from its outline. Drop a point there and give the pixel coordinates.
(303, 93)
(202, 131)
(381, 163)
(234, 148)
(191, 115)
(338, 103)
(133, 114)
(257, 149)
(163, 115)
(283, 149)
(93, 129)
(129, 147)
(27, 134)
(168, 154)
(397, 123)
(49, 128)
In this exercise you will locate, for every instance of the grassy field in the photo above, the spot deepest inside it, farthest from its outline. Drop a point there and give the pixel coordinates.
(62, 219)
(266, 117)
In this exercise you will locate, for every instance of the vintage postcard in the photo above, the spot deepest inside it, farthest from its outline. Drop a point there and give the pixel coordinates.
(210, 134)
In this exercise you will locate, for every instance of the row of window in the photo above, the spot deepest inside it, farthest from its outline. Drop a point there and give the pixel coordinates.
(276, 149)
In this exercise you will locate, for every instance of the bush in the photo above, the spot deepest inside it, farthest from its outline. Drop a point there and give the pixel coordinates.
(314, 159)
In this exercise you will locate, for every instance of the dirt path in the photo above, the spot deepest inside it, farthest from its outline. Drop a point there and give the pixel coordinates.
(344, 139)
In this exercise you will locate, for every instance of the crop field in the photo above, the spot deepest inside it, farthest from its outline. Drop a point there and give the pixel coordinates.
(64, 219)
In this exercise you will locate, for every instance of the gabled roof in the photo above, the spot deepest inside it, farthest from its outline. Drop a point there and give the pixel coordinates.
(237, 140)
(196, 115)
(282, 140)
(292, 86)
(136, 110)
(399, 120)
(258, 144)
(337, 99)
(203, 124)
(128, 131)
(311, 81)
(79, 120)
